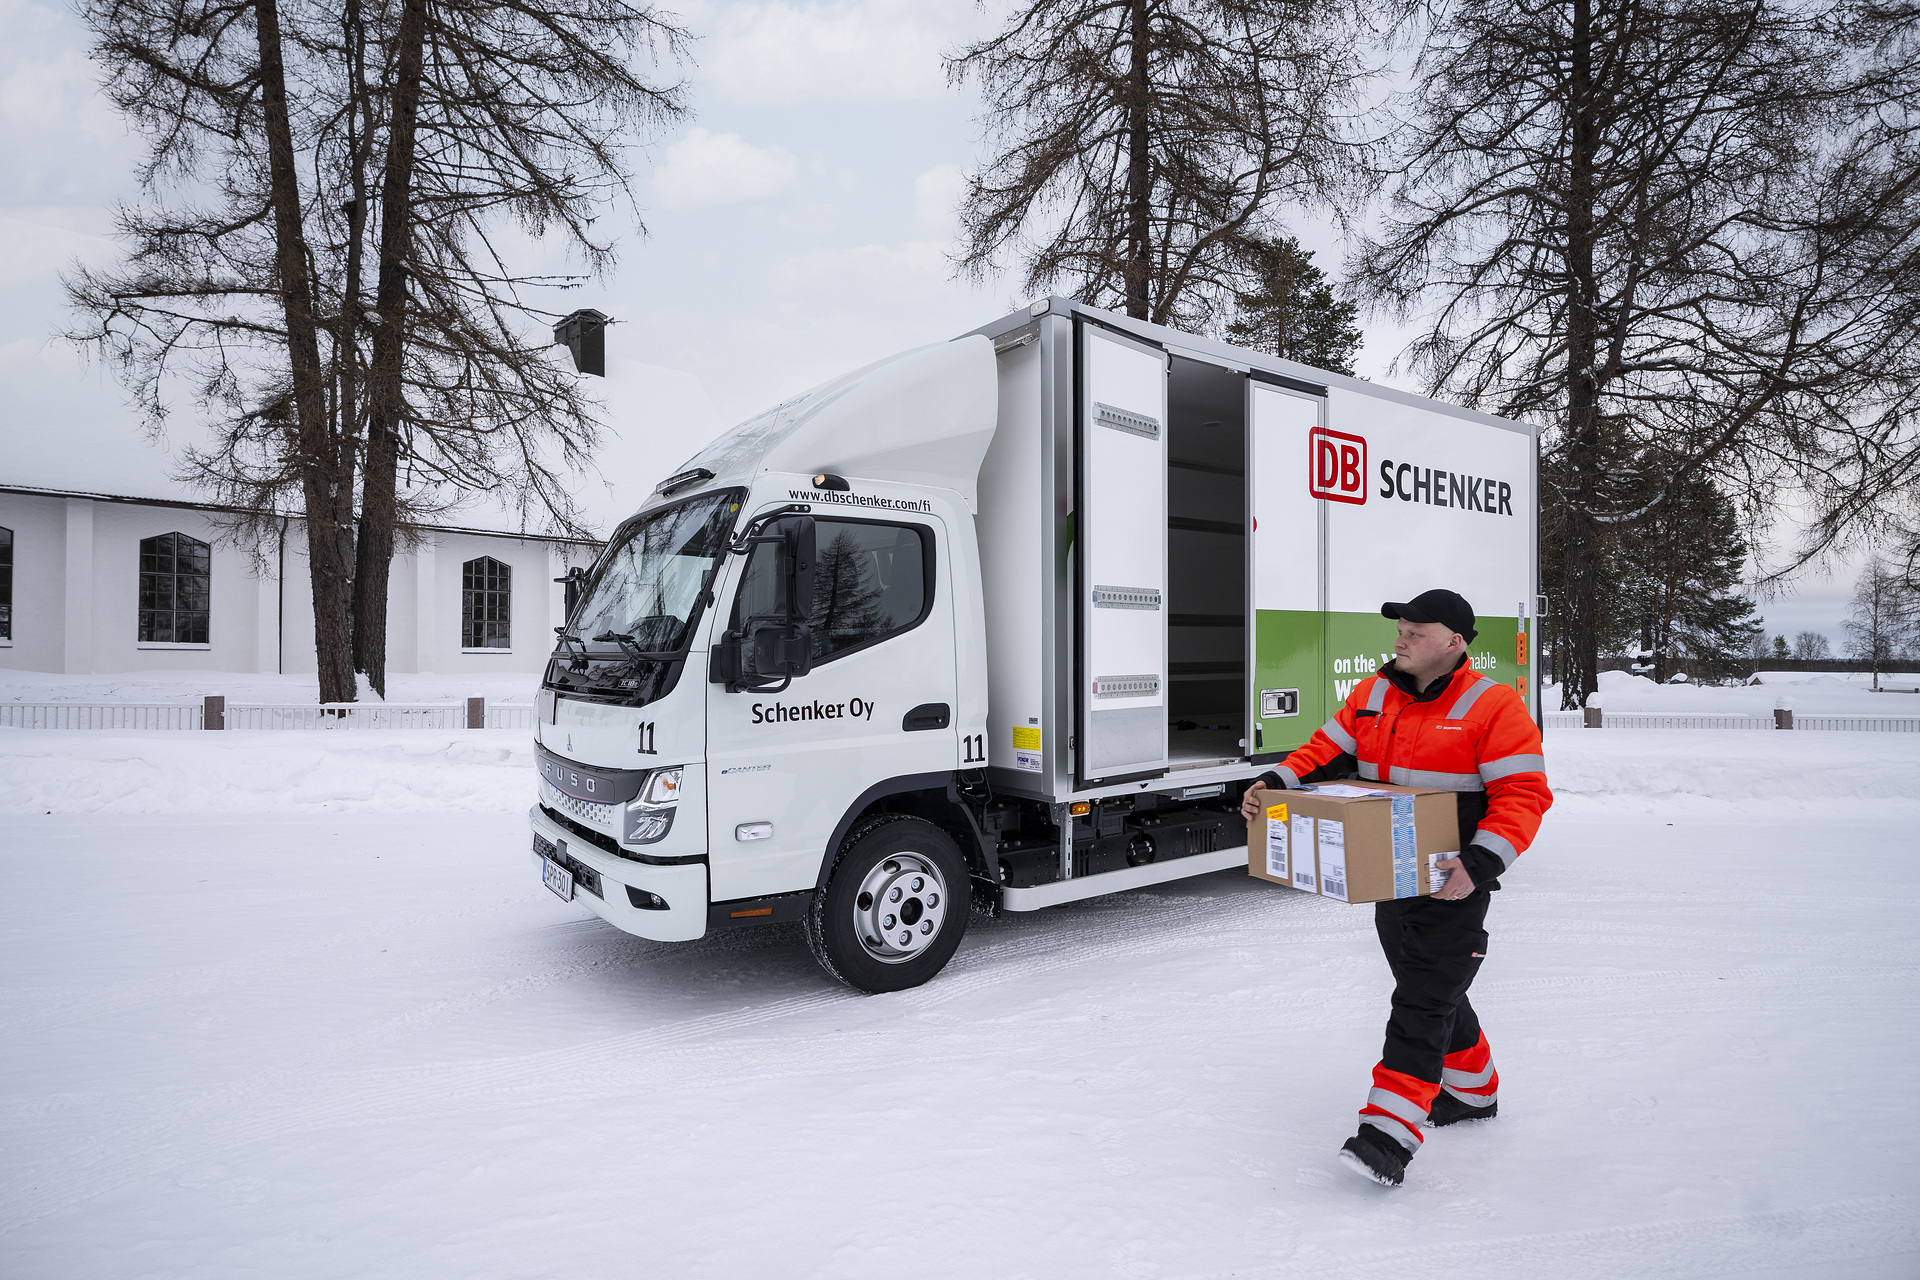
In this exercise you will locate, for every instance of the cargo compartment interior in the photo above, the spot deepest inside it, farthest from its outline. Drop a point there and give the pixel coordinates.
(1206, 564)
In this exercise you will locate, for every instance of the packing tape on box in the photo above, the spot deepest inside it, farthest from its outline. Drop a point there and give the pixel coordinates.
(1406, 850)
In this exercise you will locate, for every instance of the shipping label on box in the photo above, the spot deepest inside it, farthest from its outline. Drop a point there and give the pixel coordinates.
(1279, 834)
(1332, 848)
(1303, 863)
(1280, 845)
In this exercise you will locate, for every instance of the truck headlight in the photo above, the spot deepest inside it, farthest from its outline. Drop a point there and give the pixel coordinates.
(650, 814)
(663, 787)
(645, 824)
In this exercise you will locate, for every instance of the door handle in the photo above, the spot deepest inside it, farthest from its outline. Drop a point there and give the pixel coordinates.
(928, 715)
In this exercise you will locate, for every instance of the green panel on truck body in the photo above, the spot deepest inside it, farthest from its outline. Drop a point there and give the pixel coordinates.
(1326, 655)
(1287, 655)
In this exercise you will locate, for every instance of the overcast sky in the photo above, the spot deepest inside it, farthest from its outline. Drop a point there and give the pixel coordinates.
(797, 227)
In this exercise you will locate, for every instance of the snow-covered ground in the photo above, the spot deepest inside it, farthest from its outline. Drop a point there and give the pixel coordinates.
(291, 1005)
(1822, 692)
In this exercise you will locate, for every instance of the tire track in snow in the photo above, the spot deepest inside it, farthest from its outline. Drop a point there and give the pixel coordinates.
(199, 1126)
(285, 1103)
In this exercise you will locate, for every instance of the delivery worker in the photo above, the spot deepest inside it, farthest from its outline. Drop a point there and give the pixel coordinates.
(1427, 719)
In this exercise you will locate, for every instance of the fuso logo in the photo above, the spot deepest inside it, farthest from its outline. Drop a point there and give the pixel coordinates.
(1336, 465)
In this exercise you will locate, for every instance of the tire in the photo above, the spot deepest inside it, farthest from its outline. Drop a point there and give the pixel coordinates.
(895, 906)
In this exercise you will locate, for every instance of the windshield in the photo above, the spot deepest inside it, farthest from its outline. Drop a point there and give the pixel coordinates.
(648, 583)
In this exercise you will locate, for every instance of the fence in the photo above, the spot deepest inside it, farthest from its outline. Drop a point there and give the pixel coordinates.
(99, 715)
(1782, 719)
(215, 712)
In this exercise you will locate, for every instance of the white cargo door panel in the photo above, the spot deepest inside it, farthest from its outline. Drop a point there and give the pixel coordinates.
(1283, 563)
(1446, 502)
(1286, 635)
(1121, 534)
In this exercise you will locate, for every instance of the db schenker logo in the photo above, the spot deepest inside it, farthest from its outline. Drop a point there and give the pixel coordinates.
(1337, 466)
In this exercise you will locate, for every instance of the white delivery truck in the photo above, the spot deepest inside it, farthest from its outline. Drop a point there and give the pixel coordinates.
(998, 624)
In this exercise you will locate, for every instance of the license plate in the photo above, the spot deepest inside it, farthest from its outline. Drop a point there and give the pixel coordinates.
(557, 878)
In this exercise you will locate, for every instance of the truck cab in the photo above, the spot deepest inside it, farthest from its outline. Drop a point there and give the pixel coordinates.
(978, 626)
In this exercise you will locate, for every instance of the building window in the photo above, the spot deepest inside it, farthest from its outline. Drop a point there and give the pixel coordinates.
(6, 584)
(175, 571)
(486, 604)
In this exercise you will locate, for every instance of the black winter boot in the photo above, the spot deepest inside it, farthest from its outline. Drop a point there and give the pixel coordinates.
(1448, 1109)
(1372, 1154)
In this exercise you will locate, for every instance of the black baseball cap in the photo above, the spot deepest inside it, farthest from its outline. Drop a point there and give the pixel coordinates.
(1444, 607)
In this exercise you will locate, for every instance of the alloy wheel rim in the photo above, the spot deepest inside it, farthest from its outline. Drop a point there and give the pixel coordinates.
(900, 907)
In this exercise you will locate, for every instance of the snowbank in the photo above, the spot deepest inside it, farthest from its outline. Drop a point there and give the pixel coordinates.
(290, 772)
(1644, 769)
(1825, 692)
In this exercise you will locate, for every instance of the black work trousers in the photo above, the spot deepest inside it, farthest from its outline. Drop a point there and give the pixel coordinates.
(1434, 948)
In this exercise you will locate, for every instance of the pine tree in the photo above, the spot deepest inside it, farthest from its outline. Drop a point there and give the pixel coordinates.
(1682, 568)
(1290, 309)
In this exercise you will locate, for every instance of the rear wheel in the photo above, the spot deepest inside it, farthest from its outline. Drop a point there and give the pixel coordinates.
(895, 905)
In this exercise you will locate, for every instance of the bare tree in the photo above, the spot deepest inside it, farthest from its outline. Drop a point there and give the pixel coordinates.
(1811, 646)
(279, 170)
(1623, 218)
(505, 115)
(1882, 617)
(221, 291)
(1140, 145)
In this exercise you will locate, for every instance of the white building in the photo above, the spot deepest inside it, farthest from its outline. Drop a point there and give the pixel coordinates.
(94, 582)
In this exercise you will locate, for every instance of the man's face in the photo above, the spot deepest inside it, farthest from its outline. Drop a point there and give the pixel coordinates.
(1426, 646)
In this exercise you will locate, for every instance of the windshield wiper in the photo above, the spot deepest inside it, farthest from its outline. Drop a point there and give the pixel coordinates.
(577, 657)
(631, 647)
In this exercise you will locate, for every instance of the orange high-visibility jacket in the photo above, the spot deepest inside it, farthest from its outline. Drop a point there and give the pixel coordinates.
(1470, 734)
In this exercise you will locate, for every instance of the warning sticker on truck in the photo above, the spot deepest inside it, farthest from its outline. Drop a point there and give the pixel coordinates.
(1026, 748)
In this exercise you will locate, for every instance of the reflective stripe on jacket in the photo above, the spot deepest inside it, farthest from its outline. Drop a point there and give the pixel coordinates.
(1471, 735)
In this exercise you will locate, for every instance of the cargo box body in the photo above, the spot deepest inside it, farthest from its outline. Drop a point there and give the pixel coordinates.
(1185, 547)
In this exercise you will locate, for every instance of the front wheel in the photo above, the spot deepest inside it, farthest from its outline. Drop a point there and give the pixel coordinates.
(895, 905)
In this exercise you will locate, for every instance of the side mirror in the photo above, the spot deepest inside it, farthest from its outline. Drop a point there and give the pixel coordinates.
(776, 645)
(797, 555)
(575, 582)
(782, 651)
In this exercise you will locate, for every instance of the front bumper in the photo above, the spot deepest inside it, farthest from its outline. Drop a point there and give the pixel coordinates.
(684, 886)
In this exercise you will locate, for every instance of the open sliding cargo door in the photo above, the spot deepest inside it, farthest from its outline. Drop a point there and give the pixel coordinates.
(1286, 594)
(1120, 527)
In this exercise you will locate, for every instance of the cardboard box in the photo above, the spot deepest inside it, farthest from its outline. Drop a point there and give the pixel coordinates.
(1355, 841)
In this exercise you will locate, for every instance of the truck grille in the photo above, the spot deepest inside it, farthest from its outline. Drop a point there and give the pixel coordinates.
(603, 817)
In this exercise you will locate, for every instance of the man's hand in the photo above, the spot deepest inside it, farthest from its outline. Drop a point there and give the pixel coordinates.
(1254, 801)
(1458, 885)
